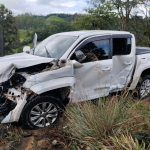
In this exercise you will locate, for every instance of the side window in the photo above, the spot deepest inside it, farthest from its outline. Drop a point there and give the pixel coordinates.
(96, 50)
(121, 46)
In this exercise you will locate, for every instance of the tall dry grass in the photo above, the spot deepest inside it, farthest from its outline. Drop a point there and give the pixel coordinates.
(127, 142)
(99, 125)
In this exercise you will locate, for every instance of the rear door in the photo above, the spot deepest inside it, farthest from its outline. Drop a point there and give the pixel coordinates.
(123, 58)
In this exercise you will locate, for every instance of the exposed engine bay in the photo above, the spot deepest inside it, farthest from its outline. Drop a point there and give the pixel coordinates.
(17, 91)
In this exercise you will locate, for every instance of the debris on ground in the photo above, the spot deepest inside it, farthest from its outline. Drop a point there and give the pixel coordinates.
(3, 132)
(45, 138)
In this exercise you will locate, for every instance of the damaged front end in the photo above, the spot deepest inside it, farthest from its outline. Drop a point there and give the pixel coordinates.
(12, 99)
(29, 82)
(13, 96)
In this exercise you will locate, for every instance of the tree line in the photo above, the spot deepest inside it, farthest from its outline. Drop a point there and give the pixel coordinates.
(8, 31)
(29, 21)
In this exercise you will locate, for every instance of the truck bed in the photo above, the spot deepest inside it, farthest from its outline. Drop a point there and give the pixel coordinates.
(142, 50)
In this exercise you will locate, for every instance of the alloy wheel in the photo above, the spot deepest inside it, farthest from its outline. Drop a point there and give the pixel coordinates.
(145, 88)
(43, 114)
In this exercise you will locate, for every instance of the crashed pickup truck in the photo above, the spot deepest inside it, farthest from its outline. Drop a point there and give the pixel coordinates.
(66, 68)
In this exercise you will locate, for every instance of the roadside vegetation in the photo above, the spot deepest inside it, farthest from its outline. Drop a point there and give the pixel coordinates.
(117, 122)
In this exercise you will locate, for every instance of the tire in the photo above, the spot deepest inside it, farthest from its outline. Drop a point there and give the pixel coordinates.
(41, 111)
(144, 88)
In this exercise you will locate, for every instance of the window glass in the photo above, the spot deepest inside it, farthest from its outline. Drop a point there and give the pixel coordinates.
(54, 46)
(96, 50)
(121, 46)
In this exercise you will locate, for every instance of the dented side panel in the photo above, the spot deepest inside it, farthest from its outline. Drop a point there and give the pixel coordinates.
(53, 84)
(92, 80)
(122, 70)
(46, 77)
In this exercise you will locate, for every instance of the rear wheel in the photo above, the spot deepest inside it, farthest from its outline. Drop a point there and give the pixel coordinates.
(41, 111)
(144, 89)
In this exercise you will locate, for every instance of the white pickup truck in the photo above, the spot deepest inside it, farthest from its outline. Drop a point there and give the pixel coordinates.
(66, 68)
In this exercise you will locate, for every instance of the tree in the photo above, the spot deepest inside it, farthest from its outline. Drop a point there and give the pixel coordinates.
(100, 15)
(28, 21)
(52, 27)
(1, 42)
(124, 9)
(140, 23)
(107, 14)
(8, 27)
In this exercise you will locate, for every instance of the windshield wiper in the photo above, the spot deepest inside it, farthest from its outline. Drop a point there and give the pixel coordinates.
(47, 52)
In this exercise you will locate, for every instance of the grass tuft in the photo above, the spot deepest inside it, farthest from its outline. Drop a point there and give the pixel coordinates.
(98, 125)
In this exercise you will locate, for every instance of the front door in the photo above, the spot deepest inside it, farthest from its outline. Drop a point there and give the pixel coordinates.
(92, 80)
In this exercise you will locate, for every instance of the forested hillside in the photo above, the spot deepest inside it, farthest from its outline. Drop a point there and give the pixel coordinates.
(29, 21)
(44, 26)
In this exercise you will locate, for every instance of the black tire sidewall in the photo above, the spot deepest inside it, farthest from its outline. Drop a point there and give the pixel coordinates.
(26, 111)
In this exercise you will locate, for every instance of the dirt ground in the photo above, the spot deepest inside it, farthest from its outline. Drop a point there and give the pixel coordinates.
(146, 101)
(48, 138)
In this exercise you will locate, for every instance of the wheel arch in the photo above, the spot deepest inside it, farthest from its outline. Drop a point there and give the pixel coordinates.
(62, 93)
(141, 71)
(145, 72)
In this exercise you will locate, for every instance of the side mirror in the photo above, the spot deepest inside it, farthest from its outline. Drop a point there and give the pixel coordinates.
(80, 55)
(26, 49)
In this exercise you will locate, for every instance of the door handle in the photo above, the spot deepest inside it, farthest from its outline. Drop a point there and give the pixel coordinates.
(106, 69)
(128, 63)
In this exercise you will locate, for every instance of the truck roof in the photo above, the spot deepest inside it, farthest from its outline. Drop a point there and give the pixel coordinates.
(87, 33)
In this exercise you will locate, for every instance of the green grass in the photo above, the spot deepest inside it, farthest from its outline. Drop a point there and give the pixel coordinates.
(23, 34)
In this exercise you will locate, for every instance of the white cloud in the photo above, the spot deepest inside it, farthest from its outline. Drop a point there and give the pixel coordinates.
(69, 4)
(141, 10)
(16, 11)
(44, 7)
(31, 0)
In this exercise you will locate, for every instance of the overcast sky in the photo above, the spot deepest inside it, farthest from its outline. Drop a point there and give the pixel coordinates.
(44, 7)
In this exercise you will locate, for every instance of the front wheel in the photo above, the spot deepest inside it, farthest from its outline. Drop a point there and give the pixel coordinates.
(144, 89)
(41, 111)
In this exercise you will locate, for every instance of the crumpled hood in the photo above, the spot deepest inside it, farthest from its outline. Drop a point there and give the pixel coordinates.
(8, 64)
